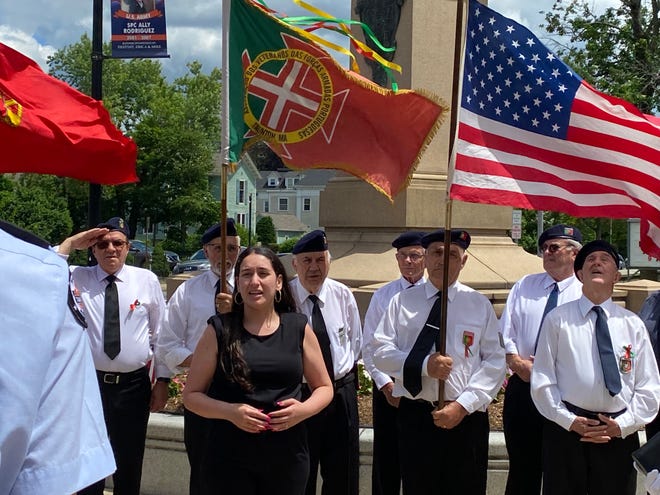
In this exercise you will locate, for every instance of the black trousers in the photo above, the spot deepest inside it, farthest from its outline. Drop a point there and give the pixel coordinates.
(523, 433)
(268, 463)
(126, 413)
(439, 461)
(334, 444)
(572, 467)
(653, 427)
(385, 472)
(195, 436)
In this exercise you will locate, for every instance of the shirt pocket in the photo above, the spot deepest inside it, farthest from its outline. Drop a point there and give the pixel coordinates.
(463, 343)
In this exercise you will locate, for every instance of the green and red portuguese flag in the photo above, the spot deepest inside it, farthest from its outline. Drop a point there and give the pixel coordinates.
(48, 127)
(285, 90)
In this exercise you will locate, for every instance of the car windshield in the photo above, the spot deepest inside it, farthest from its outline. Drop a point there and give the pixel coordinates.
(199, 255)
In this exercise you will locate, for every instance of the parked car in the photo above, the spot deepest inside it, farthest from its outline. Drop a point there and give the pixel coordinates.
(196, 263)
(172, 259)
(141, 253)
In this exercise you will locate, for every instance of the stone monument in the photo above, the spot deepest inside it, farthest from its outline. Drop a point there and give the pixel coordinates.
(361, 222)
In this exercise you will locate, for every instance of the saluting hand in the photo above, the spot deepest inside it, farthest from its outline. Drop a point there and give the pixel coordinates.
(439, 366)
(81, 240)
(249, 419)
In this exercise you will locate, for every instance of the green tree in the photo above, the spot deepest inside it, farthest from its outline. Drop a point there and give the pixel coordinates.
(265, 230)
(176, 127)
(159, 263)
(35, 203)
(614, 231)
(287, 246)
(618, 51)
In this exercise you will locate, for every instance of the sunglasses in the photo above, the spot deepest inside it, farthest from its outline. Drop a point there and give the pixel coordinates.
(116, 243)
(553, 248)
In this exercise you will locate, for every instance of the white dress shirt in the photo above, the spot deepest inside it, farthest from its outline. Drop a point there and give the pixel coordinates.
(474, 379)
(186, 317)
(567, 366)
(521, 319)
(377, 307)
(141, 308)
(52, 435)
(342, 321)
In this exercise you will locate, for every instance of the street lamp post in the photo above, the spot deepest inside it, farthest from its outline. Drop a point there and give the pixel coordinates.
(249, 219)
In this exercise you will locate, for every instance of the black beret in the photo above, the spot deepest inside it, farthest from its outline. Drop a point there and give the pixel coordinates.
(118, 224)
(592, 247)
(561, 231)
(459, 237)
(410, 238)
(311, 242)
(216, 231)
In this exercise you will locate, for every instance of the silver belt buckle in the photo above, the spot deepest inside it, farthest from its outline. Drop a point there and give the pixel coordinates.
(111, 378)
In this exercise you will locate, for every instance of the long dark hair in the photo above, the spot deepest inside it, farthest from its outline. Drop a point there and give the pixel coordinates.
(231, 356)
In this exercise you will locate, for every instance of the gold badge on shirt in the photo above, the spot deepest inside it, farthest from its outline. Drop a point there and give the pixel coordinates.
(626, 359)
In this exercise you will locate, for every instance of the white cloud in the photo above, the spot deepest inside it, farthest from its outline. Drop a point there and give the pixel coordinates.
(39, 27)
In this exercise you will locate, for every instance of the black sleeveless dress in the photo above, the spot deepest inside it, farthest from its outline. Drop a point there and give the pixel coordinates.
(268, 462)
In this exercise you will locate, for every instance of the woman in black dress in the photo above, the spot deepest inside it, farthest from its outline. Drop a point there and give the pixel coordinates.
(246, 373)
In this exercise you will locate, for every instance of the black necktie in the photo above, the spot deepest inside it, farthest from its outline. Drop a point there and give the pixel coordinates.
(412, 368)
(111, 339)
(607, 358)
(218, 290)
(318, 324)
(549, 305)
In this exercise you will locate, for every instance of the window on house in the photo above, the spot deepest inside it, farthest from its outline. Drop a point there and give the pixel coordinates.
(266, 207)
(272, 181)
(307, 204)
(241, 187)
(284, 204)
(241, 218)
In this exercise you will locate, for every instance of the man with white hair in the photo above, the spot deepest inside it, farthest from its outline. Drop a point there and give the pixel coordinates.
(334, 317)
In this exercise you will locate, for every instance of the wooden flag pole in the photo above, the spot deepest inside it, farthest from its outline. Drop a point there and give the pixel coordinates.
(441, 341)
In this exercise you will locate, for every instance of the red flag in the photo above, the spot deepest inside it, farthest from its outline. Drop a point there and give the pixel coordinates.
(289, 92)
(48, 127)
(533, 134)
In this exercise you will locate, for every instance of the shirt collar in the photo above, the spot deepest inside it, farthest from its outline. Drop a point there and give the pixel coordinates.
(101, 274)
(431, 290)
(586, 305)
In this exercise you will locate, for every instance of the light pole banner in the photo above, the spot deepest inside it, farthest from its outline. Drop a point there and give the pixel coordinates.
(138, 29)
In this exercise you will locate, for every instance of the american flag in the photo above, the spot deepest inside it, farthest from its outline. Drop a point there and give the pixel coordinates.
(533, 134)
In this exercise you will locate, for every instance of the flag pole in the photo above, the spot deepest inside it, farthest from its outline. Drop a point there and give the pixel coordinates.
(224, 140)
(441, 341)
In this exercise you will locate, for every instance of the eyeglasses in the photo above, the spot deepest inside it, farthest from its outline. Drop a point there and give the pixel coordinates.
(553, 248)
(231, 248)
(412, 256)
(118, 243)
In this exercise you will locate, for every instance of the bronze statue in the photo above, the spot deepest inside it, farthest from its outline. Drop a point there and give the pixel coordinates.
(382, 16)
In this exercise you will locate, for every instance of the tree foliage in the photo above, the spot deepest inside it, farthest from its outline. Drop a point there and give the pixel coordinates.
(617, 51)
(36, 203)
(265, 230)
(176, 127)
(613, 231)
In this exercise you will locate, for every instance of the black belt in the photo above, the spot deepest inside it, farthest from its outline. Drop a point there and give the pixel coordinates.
(344, 380)
(585, 413)
(421, 401)
(115, 378)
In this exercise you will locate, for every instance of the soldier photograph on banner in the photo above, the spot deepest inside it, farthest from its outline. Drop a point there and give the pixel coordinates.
(138, 29)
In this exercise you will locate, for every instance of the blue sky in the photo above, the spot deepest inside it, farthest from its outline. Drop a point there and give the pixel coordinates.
(39, 27)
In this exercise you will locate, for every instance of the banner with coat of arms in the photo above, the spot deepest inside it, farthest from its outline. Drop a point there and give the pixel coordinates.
(286, 90)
